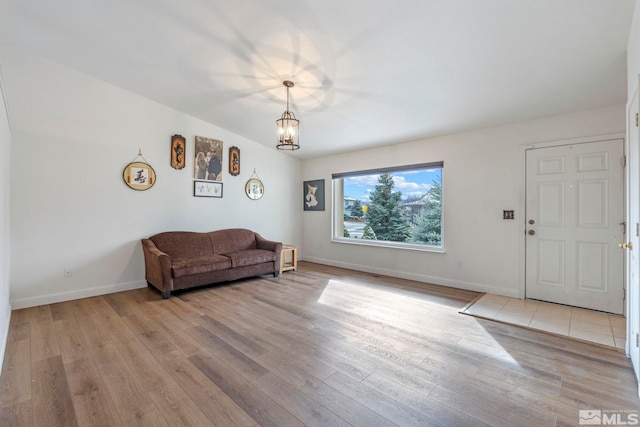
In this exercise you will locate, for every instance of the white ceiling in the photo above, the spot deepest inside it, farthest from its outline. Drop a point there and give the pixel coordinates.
(366, 72)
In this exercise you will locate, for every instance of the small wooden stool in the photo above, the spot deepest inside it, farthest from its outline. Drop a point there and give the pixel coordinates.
(293, 263)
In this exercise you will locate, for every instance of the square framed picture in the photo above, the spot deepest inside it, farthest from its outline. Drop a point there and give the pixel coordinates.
(207, 189)
(313, 193)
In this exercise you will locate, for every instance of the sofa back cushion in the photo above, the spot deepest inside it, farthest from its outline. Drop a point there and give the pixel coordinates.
(232, 240)
(183, 244)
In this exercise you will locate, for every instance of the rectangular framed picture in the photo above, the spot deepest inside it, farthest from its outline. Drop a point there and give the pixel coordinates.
(313, 193)
(207, 189)
(208, 159)
(178, 151)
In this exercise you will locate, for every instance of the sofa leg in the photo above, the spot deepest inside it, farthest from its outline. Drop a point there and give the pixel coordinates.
(276, 273)
(166, 294)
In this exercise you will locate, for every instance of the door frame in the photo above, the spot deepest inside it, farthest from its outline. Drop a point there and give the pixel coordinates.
(631, 307)
(523, 194)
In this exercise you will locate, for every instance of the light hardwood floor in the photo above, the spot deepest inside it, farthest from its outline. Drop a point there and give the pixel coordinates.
(319, 346)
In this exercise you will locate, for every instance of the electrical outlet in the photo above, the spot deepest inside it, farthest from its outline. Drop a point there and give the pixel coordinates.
(68, 272)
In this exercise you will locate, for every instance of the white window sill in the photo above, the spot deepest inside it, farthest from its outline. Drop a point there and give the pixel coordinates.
(394, 245)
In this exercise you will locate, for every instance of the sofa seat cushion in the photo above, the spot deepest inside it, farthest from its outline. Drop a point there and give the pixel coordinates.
(251, 257)
(188, 266)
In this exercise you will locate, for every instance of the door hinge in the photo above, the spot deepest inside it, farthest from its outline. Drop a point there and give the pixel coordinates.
(637, 341)
(636, 119)
(637, 229)
(624, 294)
(624, 161)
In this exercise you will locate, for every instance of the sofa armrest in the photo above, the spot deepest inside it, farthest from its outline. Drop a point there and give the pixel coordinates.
(157, 266)
(269, 245)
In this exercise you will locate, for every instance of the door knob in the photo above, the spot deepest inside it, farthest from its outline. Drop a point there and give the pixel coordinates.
(626, 246)
(531, 232)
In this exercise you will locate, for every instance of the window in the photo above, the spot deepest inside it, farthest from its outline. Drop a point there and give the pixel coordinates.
(397, 207)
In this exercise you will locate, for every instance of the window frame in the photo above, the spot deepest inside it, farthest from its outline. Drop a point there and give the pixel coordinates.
(337, 211)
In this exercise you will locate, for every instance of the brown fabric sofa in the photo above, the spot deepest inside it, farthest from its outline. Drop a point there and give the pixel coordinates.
(177, 260)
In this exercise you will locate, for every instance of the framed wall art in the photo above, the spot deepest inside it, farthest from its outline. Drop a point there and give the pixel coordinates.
(234, 161)
(139, 175)
(208, 159)
(313, 193)
(254, 188)
(207, 189)
(178, 151)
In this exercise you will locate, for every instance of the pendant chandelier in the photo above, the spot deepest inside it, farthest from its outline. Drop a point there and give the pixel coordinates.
(288, 126)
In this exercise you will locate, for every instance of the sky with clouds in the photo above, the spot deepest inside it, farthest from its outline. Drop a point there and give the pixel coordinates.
(410, 184)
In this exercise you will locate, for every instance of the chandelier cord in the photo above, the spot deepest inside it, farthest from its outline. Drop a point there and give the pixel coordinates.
(287, 99)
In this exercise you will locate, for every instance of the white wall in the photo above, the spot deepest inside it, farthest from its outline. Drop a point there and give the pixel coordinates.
(482, 176)
(633, 53)
(5, 144)
(72, 137)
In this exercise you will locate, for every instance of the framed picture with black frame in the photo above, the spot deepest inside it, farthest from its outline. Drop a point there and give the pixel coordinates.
(207, 189)
(313, 193)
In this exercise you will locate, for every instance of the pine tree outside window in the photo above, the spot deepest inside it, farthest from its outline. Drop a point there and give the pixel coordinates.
(396, 207)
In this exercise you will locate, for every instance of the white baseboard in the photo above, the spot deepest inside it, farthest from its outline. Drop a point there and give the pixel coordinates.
(4, 332)
(470, 286)
(76, 294)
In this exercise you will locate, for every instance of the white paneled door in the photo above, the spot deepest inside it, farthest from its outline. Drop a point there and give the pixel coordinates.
(574, 211)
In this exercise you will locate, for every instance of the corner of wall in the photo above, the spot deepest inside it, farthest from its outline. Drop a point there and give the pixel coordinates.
(3, 95)
(5, 148)
(5, 312)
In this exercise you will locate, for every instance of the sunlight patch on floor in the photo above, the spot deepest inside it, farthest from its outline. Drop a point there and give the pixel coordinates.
(372, 303)
(369, 302)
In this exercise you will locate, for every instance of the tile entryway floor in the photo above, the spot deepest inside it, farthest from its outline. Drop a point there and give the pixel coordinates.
(586, 325)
